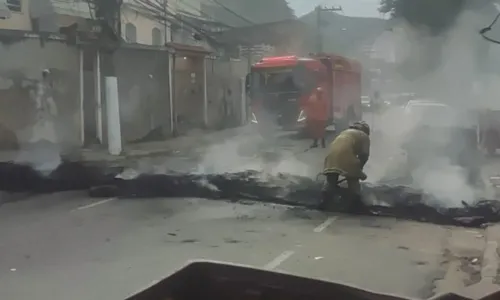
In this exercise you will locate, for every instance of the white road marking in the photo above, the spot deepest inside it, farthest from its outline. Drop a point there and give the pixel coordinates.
(273, 264)
(95, 204)
(325, 224)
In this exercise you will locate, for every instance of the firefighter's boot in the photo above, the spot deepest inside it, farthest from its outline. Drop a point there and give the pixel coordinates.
(356, 205)
(315, 144)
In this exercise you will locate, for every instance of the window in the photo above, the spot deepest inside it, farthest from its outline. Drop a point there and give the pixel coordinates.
(130, 33)
(156, 36)
(14, 5)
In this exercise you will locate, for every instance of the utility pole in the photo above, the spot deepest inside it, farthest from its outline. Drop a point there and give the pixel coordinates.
(165, 23)
(170, 64)
(108, 16)
(319, 36)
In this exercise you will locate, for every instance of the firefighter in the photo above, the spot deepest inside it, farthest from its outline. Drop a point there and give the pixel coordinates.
(347, 156)
(317, 117)
(376, 102)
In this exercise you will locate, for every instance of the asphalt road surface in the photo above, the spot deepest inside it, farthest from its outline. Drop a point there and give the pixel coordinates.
(68, 246)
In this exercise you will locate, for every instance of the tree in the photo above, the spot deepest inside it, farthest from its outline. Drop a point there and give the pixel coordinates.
(436, 15)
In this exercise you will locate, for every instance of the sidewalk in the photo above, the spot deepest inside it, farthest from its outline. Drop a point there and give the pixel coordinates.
(490, 263)
(471, 262)
(189, 143)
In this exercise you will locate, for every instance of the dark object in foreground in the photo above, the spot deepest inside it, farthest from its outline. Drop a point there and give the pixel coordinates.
(400, 202)
(68, 176)
(215, 280)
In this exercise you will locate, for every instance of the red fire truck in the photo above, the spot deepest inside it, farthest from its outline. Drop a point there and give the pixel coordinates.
(279, 88)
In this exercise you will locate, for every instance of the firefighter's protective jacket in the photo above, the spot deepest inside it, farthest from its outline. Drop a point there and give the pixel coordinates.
(316, 107)
(344, 152)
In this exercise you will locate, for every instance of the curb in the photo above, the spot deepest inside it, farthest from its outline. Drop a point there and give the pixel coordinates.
(203, 142)
(489, 268)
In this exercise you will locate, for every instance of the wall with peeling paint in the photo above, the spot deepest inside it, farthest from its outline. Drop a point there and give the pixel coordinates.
(224, 91)
(21, 66)
(143, 90)
(189, 87)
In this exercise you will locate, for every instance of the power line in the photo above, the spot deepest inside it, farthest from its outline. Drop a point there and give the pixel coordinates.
(195, 9)
(160, 12)
(319, 38)
(208, 18)
(483, 31)
(161, 15)
(233, 12)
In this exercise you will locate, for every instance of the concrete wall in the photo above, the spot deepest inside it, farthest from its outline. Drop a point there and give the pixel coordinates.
(188, 92)
(20, 70)
(143, 90)
(224, 84)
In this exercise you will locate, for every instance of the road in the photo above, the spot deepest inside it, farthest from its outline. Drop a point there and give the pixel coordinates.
(68, 246)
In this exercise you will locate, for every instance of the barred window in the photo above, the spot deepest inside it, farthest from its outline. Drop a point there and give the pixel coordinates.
(14, 5)
(131, 33)
(156, 36)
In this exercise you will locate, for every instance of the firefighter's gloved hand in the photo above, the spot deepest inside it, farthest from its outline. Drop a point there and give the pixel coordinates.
(363, 176)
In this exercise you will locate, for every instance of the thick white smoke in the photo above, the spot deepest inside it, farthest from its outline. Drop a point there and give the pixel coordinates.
(253, 152)
(456, 81)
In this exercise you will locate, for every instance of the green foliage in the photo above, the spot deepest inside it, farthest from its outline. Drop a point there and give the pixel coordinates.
(437, 15)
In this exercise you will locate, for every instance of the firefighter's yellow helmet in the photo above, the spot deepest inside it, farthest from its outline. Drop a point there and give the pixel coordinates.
(361, 125)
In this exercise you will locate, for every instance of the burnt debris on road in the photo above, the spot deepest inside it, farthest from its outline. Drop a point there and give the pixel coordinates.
(399, 201)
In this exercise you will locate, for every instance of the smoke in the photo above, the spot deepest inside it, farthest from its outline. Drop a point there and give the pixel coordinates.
(41, 148)
(44, 156)
(263, 154)
(444, 181)
(253, 152)
(456, 79)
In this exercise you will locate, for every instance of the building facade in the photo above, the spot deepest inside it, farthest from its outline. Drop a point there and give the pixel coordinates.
(144, 25)
(19, 17)
(162, 84)
(139, 25)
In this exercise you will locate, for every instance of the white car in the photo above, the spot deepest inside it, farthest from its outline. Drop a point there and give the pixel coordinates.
(426, 108)
(434, 113)
(422, 104)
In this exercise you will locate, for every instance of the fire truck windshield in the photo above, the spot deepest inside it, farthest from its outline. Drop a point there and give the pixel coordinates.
(276, 92)
(280, 80)
(275, 81)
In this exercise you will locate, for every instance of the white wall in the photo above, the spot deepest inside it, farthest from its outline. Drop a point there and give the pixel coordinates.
(144, 25)
(20, 68)
(19, 20)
